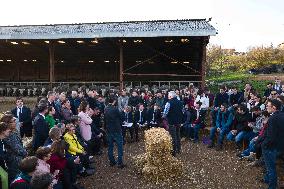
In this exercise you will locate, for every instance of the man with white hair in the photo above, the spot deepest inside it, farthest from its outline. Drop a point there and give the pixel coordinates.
(173, 113)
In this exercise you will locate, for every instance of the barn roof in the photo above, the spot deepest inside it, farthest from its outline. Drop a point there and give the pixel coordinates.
(159, 28)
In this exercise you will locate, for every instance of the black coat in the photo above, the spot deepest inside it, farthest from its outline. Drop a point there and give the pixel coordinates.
(137, 116)
(41, 130)
(24, 116)
(197, 120)
(157, 116)
(112, 119)
(274, 134)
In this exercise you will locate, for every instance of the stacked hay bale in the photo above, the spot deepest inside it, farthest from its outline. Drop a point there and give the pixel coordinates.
(157, 163)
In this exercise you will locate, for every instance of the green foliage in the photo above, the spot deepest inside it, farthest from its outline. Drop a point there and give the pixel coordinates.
(222, 61)
(237, 79)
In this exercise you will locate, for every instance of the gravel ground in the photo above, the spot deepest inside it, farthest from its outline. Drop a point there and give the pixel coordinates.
(203, 168)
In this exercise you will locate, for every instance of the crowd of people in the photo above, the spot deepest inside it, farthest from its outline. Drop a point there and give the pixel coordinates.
(70, 129)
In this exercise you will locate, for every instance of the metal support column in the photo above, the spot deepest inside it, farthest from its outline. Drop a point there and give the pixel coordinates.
(121, 66)
(51, 63)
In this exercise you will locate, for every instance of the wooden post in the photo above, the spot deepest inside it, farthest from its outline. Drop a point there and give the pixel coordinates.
(51, 63)
(203, 62)
(121, 66)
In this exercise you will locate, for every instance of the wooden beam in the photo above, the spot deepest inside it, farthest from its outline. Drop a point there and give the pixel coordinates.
(121, 65)
(51, 63)
(158, 74)
(203, 61)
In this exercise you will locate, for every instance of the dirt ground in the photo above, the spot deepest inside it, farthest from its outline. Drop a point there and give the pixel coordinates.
(203, 168)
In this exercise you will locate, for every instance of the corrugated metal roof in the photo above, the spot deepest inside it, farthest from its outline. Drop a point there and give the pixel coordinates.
(159, 28)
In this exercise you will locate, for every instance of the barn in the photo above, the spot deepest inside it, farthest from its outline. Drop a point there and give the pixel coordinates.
(118, 53)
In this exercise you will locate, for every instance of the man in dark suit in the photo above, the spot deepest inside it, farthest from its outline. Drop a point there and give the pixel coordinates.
(41, 128)
(154, 116)
(23, 114)
(127, 118)
(273, 142)
(196, 121)
(174, 115)
(140, 118)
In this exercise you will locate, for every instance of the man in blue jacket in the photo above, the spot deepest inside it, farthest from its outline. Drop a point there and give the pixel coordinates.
(224, 121)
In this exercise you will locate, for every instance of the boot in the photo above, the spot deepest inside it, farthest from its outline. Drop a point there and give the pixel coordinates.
(211, 145)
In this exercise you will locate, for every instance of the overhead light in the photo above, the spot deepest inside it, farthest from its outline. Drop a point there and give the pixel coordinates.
(61, 42)
(174, 62)
(25, 60)
(9, 60)
(106, 61)
(80, 42)
(138, 61)
(184, 40)
(1, 60)
(116, 61)
(169, 41)
(14, 42)
(186, 62)
(95, 41)
(138, 41)
(46, 42)
(91, 61)
(34, 60)
(124, 41)
(62, 61)
(26, 43)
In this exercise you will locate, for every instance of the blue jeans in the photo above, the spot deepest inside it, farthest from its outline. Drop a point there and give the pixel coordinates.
(238, 138)
(250, 148)
(117, 138)
(221, 137)
(194, 131)
(270, 177)
(249, 135)
(174, 131)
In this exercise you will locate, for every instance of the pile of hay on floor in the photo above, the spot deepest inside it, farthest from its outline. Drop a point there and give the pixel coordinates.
(157, 163)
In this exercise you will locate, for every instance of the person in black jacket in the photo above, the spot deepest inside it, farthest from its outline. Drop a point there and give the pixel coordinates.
(127, 119)
(273, 142)
(41, 128)
(134, 100)
(154, 117)
(240, 128)
(140, 119)
(23, 113)
(114, 134)
(196, 121)
(174, 115)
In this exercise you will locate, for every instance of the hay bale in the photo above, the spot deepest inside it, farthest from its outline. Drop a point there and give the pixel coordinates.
(158, 164)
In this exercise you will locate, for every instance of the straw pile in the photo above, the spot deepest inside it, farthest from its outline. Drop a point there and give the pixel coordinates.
(157, 163)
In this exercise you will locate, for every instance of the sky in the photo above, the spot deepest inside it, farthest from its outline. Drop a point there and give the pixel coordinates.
(241, 24)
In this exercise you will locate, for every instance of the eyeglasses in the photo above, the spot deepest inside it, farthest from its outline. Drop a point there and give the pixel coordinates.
(273, 93)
